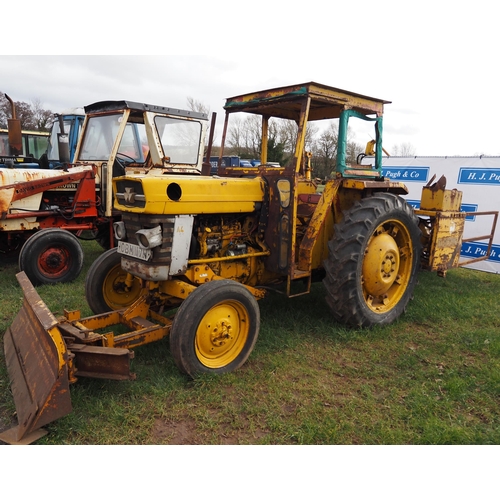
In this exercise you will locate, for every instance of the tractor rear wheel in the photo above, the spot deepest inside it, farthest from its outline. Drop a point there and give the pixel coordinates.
(108, 287)
(51, 256)
(215, 328)
(373, 261)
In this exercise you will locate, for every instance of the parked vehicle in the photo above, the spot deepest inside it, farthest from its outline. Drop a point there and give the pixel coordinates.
(226, 161)
(49, 203)
(18, 147)
(196, 252)
(34, 144)
(64, 134)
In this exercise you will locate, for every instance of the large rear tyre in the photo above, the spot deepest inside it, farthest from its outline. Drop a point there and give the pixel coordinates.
(108, 287)
(373, 261)
(51, 256)
(215, 328)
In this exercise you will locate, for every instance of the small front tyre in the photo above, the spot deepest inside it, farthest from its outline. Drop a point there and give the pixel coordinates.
(215, 328)
(108, 287)
(51, 256)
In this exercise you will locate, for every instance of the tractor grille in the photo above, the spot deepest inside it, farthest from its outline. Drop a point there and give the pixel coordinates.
(133, 222)
(130, 194)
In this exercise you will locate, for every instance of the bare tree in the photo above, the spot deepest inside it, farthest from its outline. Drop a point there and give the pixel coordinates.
(5, 112)
(197, 106)
(236, 142)
(252, 131)
(32, 116)
(42, 118)
(289, 131)
(244, 138)
(325, 150)
(200, 107)
(353, 150)
(405, 149)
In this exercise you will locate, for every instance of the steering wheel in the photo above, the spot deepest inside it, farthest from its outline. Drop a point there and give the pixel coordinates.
(126, 156)
(119, 166)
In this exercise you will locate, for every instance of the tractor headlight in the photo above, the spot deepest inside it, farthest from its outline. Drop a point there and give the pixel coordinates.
(119, 230)
(149, 238)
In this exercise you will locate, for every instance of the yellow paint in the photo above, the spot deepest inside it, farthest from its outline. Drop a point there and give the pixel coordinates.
(176, 195)
(441, 199)
(387, 266)
(222, 334)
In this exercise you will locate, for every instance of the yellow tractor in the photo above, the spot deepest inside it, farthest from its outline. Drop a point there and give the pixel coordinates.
(195, 252)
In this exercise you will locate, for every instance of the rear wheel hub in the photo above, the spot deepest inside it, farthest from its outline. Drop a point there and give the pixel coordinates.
(53, 261)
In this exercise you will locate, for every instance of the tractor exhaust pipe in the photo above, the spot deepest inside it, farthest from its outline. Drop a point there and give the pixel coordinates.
(14, 130)
(206, 167)
(62, 142)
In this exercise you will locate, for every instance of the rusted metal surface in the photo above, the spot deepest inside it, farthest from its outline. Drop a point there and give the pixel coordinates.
(285, 102)
(15, 132)
(206, 167)
(440, 199)
(27, 183)
(110, 363)
(395, 187)
(278, 219)
(445, 222)
(36, 361)
(44, 355)
(316, 223)
(89, 331)
(447, 230)
(440, 208)
(488, 237)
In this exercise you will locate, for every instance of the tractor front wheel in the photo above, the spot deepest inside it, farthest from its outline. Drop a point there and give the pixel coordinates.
(108, 287)
(373, 261)
(51, 256)
(215, 328)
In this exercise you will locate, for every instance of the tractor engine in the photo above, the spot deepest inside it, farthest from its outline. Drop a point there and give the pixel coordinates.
(223, 240)
(220, 236)
(169, 223)
(156, 248)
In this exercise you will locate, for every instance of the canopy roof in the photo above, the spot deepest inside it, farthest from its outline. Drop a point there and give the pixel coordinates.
(286, 102)
(110, 106)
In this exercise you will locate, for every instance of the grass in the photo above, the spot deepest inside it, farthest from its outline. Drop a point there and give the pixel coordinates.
(433, 377)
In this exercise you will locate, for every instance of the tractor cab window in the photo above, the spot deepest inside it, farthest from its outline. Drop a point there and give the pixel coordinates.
(100, 136)
(134, 143)
(35, 144)
(4, 143)
(180, 139)
(53, 147)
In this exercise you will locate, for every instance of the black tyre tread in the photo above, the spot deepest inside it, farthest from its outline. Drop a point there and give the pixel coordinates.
(95, 278)
(39, 241)
(346, 248)
(190, 313)
(103, 236)
(95, 281)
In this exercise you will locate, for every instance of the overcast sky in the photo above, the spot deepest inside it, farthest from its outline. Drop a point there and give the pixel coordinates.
(436, 63)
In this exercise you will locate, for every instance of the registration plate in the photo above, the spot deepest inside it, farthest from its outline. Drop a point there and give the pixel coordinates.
(134, 250)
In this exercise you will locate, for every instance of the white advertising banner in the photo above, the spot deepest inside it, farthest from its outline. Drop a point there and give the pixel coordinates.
(478, 177)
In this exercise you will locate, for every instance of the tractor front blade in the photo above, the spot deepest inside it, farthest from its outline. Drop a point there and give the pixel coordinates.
(37, 362)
